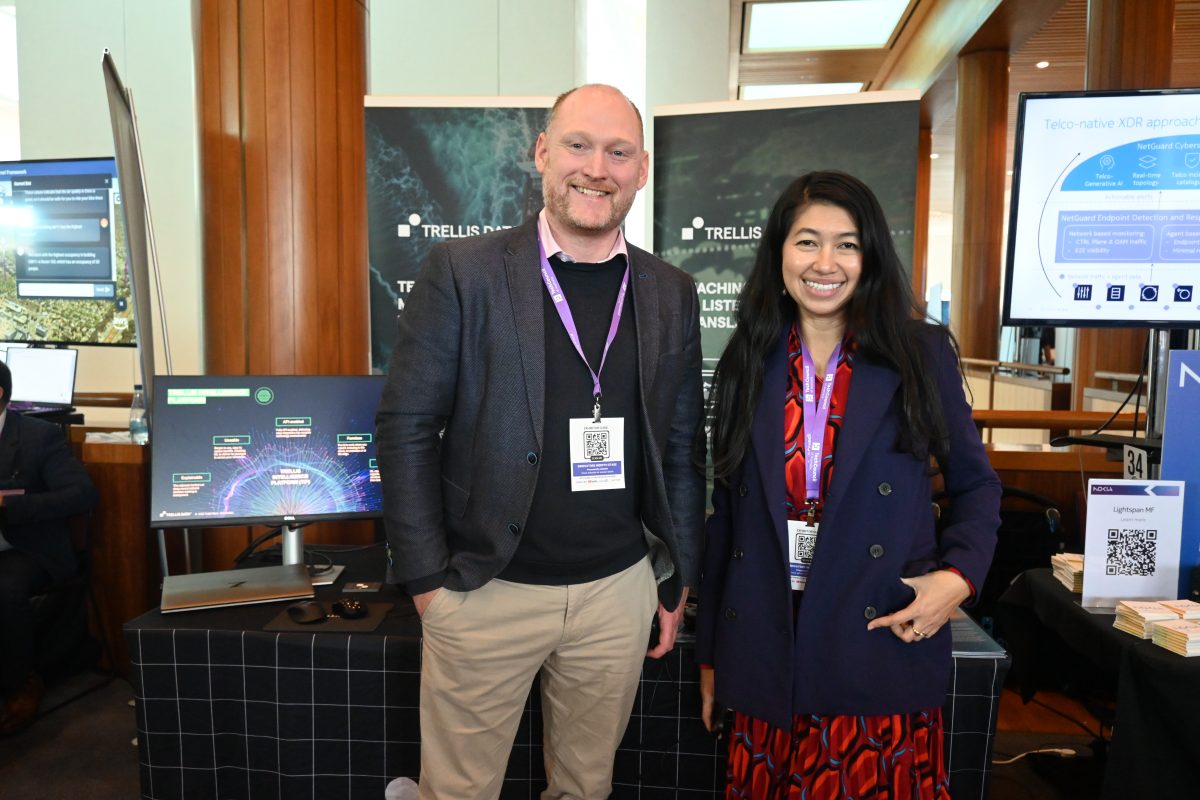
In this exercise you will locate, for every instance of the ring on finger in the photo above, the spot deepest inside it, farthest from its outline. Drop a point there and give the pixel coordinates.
(917, 633)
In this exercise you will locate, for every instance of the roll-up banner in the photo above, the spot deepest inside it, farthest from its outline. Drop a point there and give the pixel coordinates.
(719, 167)
(440, 168)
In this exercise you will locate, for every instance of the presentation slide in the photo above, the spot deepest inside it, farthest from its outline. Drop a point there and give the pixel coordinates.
(1105, 220)
(263, 449)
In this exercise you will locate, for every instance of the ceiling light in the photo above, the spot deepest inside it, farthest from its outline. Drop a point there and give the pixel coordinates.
(822, 24)
(934, 155)
(772, 91)
(1042, 64)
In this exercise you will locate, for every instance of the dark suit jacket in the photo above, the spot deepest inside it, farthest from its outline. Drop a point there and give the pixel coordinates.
(460, 425)
(34, 457)
(877, 526)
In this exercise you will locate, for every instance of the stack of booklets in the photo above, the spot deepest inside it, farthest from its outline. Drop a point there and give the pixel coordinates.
(1180, 636)
(1068, 568)
(1138, 616)
(1185, 609)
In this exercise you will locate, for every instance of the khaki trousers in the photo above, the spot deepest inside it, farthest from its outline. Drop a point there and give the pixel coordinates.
(480, 651)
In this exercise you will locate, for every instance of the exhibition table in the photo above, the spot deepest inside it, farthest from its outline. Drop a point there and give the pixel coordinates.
(1154, 751)
(226, 709)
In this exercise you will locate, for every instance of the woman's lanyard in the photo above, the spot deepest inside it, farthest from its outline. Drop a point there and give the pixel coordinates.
(568, 321)
(816, 415)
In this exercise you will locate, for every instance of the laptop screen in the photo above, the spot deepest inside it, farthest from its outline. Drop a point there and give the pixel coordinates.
(42, 375)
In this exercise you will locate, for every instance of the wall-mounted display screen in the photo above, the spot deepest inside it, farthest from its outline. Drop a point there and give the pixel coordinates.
(273, 450)
(62, 254)
(1104, 227)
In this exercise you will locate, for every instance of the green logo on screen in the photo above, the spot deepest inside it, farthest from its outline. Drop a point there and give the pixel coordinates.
(264, 396)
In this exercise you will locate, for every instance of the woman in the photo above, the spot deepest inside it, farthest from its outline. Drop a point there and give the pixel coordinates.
(826, 591)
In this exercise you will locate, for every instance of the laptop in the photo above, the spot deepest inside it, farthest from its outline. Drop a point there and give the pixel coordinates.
(43, 379)
(235, 587)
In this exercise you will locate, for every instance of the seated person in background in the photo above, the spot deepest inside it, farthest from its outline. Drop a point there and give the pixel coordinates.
(41, 486)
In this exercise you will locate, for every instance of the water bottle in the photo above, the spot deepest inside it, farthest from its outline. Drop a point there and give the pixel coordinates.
(139, 429)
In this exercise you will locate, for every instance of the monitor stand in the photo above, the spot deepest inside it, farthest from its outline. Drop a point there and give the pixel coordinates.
(293, 553)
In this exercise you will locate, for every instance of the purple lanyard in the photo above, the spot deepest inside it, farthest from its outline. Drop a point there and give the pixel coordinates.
(568, 321)
(816, 414)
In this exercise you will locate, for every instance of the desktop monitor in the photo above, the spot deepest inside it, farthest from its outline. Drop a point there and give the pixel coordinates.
(264, 450)
(1104, 226)
(62, 255)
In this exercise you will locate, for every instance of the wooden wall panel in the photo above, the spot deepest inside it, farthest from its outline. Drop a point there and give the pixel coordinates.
(222, 206)
(317, 315)
(979, 181)
(1129, 46)
(281, 87)
(302, 48)
(353, 318)
(921, 216)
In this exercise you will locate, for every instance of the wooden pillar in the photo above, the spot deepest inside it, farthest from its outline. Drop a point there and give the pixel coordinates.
(921, 216)
(979, 180)
(1128, 47)
(280, 86)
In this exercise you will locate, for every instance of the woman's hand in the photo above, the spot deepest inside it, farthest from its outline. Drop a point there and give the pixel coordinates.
(708, 684)
(938, 594)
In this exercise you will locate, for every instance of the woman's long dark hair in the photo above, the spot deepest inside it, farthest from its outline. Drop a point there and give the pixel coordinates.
(881, 315)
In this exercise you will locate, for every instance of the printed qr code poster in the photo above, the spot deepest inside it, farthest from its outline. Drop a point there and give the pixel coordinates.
(1132, 541)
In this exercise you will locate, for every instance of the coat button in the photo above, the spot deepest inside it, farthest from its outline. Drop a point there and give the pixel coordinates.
(885, 488)
(869, 612)
(730, 613)
(514, 528)
(876, 551)
(737, 552)
(531, 457)
(743, 490)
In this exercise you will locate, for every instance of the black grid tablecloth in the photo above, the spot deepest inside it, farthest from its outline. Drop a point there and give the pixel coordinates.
(225, 710)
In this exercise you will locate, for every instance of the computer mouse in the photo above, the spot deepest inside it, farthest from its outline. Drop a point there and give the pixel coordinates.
(349, 608)
(307, 612)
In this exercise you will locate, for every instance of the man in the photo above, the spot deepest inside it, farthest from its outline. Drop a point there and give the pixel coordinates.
(540, 498)
(41, 486)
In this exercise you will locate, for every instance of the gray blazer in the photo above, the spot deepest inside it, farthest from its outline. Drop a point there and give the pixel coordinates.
(460, 425)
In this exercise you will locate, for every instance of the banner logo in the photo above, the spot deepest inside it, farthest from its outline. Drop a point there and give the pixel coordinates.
(725, 233)
(438, 231)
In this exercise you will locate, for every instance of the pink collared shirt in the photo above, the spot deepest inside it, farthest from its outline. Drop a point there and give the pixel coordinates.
(551, 246)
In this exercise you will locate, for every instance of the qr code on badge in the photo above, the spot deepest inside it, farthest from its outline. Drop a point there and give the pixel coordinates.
(805, 547)
(595, 445)
(1131, 551)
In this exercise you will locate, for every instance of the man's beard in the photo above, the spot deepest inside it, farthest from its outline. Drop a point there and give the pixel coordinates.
(558, 205)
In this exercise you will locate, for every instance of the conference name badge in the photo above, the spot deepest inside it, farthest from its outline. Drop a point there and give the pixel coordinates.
(802, 543)
(597, 454)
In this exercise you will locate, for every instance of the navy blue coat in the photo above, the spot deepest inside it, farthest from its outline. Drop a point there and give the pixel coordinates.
(877, 527)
